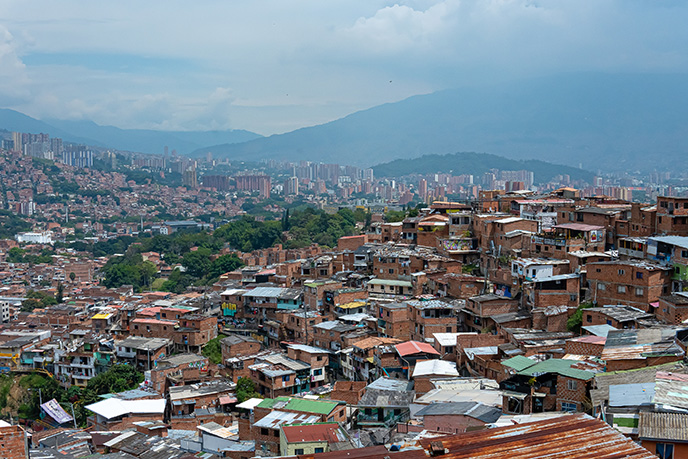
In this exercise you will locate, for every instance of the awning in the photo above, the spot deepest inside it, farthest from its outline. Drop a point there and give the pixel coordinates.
(227, 400)
(517, 395)
(655, 304)
(250, 403)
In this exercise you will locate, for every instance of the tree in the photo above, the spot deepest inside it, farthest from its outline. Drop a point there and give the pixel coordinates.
(60, 293)
(197, 263)
(72, 276)
(245, 390)
(224, 264)
(574, 322)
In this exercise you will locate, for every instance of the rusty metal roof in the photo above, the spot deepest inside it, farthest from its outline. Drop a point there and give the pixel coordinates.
(568, 436)
(671, 427)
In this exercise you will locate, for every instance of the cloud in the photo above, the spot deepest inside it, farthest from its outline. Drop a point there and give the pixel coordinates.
(272, 66)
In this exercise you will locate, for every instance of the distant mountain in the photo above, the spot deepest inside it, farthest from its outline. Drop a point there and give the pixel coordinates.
(151, 141)
(476, 164)
(599, 121)
(138, 140)
(12, 120)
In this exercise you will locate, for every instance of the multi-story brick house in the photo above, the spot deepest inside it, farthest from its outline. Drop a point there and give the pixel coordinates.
(454, 285)
(429, 317)
(272, 413)
(180, 369)
(363, 356)
(143, 352)
(198, 403)
(314, 293)
(550, 385)
(671, 251)
(673, 309)
(393, 321)
(318, 359)
(194, 332)
(278, 375)
(299, 325)
(328, 334)
(477, 313)
(560, 290)
(620, 317)
(14, 441)
(635, 283)
(340, 296)
(630, 349)
(457, 417)
(672, 216)
(565, 238)
(265, 302)
(236, 345)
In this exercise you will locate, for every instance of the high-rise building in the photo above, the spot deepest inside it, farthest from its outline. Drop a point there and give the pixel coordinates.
(260, 183)
(291, 186)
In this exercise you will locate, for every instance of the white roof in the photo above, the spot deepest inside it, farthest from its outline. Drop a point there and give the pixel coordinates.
(113, 407)
(234, 291)
(449, 339)
(250, 403)
(435, 367)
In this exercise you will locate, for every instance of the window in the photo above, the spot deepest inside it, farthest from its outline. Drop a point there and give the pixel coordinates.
(136, 327)
(566, 406)
(639, 291)
(319, 450)
(601, 286)
(638, 275)
(264, 431)
(317, 372)
(588, 318)
(665, 450)
(621, 289)
(571, 384)
(319, 358)
(285, 378)
(684, 253)
(298, 451)
(621, 272)
(449, 329)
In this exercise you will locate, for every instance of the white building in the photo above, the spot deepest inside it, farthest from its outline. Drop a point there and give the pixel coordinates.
(34, 238)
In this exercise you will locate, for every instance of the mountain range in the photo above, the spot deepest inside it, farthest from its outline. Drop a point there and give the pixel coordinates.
(138, 140)
(476, 164)
(592, 121)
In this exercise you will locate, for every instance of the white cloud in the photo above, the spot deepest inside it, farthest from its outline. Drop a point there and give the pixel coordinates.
(272, 66)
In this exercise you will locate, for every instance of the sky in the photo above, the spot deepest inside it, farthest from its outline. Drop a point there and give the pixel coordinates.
(272, 66)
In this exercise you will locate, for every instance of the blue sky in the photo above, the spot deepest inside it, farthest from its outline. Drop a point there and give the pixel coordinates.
(272, 66)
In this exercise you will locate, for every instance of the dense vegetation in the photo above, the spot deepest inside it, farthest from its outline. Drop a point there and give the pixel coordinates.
(118, 378)
(476, 164)
(213, 349)
(197, 251)
(11, 224)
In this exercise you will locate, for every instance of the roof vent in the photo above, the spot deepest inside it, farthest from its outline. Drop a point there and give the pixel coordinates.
(436, 448)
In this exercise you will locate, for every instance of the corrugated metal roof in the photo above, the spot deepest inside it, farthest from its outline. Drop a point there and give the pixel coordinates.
(277, 418)
(476, 410)
(518, 363)
(435, 367)
(631, 394)
(415, 347)
(560, 367)
(663, 427)
(329, 432)
(569, 436)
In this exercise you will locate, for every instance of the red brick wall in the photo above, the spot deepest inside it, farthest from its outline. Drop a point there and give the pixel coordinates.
(351, 242)
(583, 348)
(564, 394)
(450, 423)
(14, 443)
(348, 391)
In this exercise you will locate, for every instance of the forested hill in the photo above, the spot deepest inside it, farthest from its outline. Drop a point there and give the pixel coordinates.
(476, 164)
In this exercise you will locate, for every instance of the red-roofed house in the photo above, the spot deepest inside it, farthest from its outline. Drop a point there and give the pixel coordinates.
(302, 439)
(411, 352)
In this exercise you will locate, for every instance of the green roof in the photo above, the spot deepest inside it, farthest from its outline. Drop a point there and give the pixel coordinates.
(299, 404)
(559, 366)
(519, 363)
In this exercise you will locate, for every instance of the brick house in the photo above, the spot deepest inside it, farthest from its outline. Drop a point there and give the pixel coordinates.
(620, 317)
(329, 334)
(314, 293)
(629, 349)
(673, 309)
(318, 359)
(635, 283)
(14, 441)
(235, 345)
(179, 369)
(348, 391)
(457, 417)
(476, 315)
(114, 414)
(672, 216)
(429, 317)
(394, 321)
(586, 345)
(549, 385)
